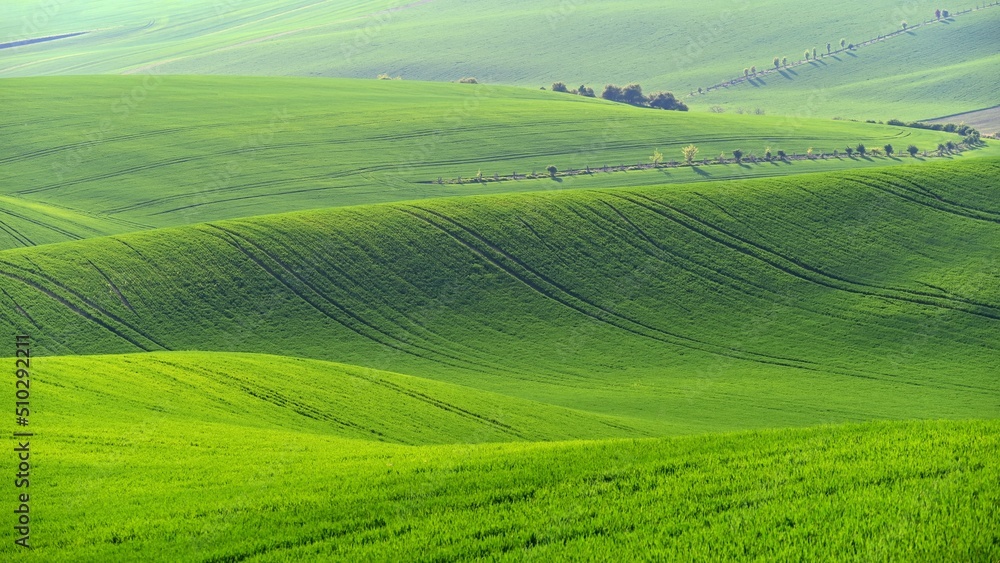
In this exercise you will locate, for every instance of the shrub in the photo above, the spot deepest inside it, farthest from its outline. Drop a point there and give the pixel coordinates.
(468, 80)
(849, 151)
(657, 157)
(588, 92)
(738, 155)
(552, 171)
(777, 62)
(632, 95)
(913, 150)
(612, 93)
(667, 101)
(861, 149)
(888, 150)
(559, 87)
(782, 155)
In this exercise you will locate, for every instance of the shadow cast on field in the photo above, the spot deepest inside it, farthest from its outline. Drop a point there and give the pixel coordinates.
(701, 172)
(785, 74)
(852, 54)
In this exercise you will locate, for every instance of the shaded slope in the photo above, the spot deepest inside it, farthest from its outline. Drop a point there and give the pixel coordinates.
(181, 492)
(164, 151)
(292, 394)
(715, 306)
(942, 68)
(935, 70)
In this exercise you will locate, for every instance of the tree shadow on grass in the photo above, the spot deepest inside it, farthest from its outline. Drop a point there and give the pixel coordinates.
(556, 179)
(785, 74)
(836, 58)
(852, 54)
(701, 172)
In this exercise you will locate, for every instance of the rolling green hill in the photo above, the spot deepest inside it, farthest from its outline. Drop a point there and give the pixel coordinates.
(288, 394)
(184, 491)
(717, 306)
(941, 69)
(129, 153)
(918, 75)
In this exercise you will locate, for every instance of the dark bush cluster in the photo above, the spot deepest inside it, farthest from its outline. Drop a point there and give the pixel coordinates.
(630, 94)
(583, 90)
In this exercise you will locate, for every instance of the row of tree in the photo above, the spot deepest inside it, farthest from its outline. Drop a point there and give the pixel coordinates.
(631, 94)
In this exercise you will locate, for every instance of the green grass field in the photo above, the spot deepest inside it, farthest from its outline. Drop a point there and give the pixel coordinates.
(192, 490)
(715, 306)
(942, 69)
(268, 322)
(131, 153)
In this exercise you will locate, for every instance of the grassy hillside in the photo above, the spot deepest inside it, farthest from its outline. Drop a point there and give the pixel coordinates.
(297, 395)
(943, 68)
(922, 74)
(135, 152)
(716, 306)
(180, 491)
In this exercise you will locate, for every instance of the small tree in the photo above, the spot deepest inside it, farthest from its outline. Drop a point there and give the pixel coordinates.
(950, 146)
(937, 14)
(782, 155)
(888, 150)
(849, 151)
(809, 153)
(814, 53)
(746, 73)
(843, 43)
(612, 93)
(941, 149)
(777, 62)
(632, 94)
(767, 154)
(945, 14)
(862, 150)
(552, 171)
(584, 91)
(753, 70)
(829, 48)
(913, 150)
(807, 54)
(657, 157)
(904, 25)
(784, 62)
(689, 152)
(559, 87)
(738, 155)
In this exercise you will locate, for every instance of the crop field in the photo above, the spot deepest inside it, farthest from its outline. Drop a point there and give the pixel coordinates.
(384, 280)
(940, 69)
(131, 153)
(706, 307)
(200, 490)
